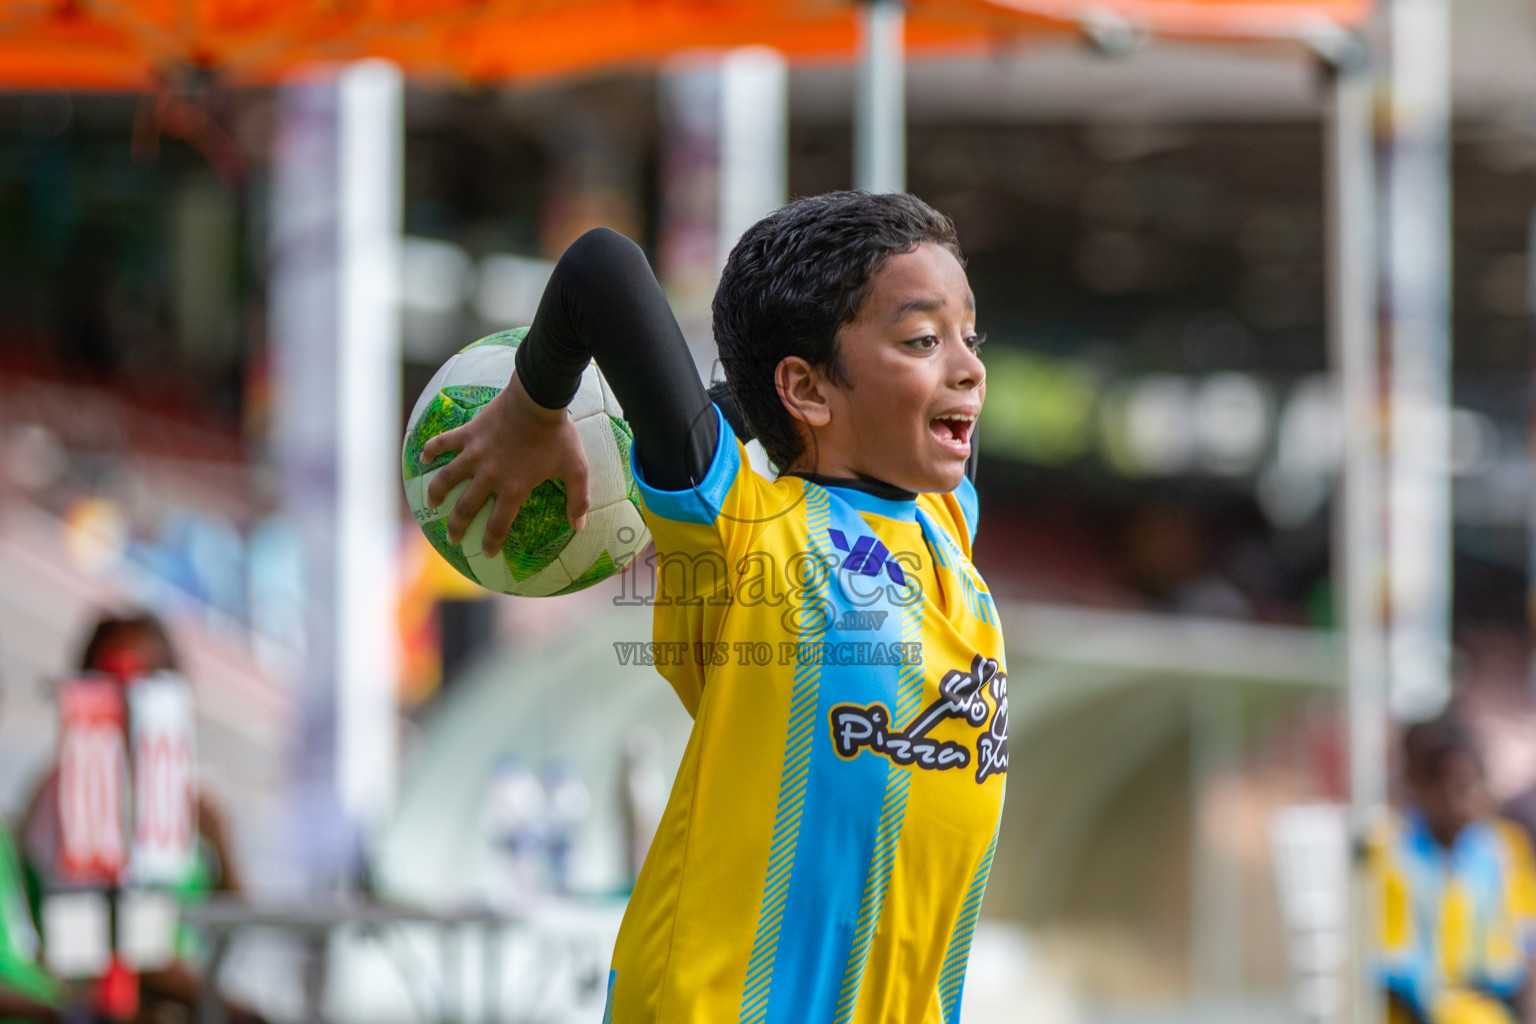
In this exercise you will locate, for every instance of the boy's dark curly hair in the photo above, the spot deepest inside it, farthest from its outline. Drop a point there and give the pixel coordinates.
(793, 280)
(1427, 746)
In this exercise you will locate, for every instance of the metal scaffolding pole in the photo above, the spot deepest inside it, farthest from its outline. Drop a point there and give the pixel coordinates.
(880, 120)
(1418, 278)
(336, 204)
(1358, 540)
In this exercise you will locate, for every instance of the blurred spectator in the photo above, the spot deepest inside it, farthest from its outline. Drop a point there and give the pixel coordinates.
(124, 647)
(1457, 891)
(516, 817)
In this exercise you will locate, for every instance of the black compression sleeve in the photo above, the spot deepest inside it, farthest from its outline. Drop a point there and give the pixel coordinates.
(603, 303)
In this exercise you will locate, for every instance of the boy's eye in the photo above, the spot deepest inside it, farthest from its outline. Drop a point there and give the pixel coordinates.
(926, 342)
(975, 341)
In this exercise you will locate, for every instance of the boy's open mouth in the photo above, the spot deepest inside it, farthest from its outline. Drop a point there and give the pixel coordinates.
(953, 430)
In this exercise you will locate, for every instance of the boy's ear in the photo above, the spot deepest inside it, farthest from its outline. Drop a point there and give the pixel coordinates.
(802, 389)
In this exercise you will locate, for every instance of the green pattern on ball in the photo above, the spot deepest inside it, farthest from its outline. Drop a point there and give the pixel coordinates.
(511, 339)
(541, 531)
(601, 568)
(451, 407)
(625, 439)
(437, 533)
(538, 533)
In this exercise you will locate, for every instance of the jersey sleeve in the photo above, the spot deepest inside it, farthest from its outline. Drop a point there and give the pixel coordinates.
(965, 499)
(703, 533)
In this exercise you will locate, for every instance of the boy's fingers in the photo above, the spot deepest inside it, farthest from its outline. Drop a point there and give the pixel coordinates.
(467, 507)
(499, 523)
(578, 496)
(447, 478)
(441, 444)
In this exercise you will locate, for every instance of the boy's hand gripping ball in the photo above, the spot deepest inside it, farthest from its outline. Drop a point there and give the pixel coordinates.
(542, 555)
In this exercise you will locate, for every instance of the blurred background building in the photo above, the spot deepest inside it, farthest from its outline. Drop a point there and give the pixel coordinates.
(1160, 453)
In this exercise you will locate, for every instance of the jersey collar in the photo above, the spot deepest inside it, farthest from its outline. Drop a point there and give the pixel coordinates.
(873, 496)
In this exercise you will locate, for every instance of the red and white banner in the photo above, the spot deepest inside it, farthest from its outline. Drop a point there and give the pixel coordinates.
(163, 727)
(93, 781)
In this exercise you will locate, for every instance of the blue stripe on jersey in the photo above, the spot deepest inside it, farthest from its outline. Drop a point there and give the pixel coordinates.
(952, 979)
(944, 551)
(608, 1005)
(966, 494)
(792, 782)
(892, 815)
(844, 800)
(700, 504)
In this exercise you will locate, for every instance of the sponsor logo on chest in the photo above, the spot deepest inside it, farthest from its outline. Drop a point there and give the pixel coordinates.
(963, 695)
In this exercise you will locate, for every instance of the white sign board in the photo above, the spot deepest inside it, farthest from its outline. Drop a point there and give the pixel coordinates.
(163, 731)
(78, 929)
(93, 782)
(146, 929)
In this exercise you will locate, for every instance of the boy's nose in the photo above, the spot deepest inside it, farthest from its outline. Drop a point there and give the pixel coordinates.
(968, 371)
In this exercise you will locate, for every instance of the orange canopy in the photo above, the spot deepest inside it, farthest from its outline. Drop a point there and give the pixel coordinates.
(137, 44)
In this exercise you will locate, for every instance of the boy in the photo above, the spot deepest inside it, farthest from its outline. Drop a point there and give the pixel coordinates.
(824, 850)
(1457, 891)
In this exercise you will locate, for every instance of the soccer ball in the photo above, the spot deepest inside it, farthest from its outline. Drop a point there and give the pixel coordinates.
(542, 555)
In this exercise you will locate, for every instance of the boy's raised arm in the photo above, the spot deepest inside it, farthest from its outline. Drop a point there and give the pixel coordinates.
(602, 302)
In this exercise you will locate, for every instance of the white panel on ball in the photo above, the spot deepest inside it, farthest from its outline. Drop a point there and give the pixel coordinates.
(547, 581)
(417, 496)
(605, 472)
(610, 403)
(584, 548)
(637, 537)
(486, 366)
(491, 571)
(588, 398)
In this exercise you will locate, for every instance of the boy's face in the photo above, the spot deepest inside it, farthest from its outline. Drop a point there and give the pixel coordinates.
(1451, 794)
(142, 648)
(915, 383)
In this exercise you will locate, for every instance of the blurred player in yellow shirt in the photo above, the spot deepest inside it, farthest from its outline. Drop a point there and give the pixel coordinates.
(1456, 891)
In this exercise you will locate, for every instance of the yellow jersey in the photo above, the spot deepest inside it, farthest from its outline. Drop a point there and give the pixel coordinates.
(1456, 926)
(824, 850)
